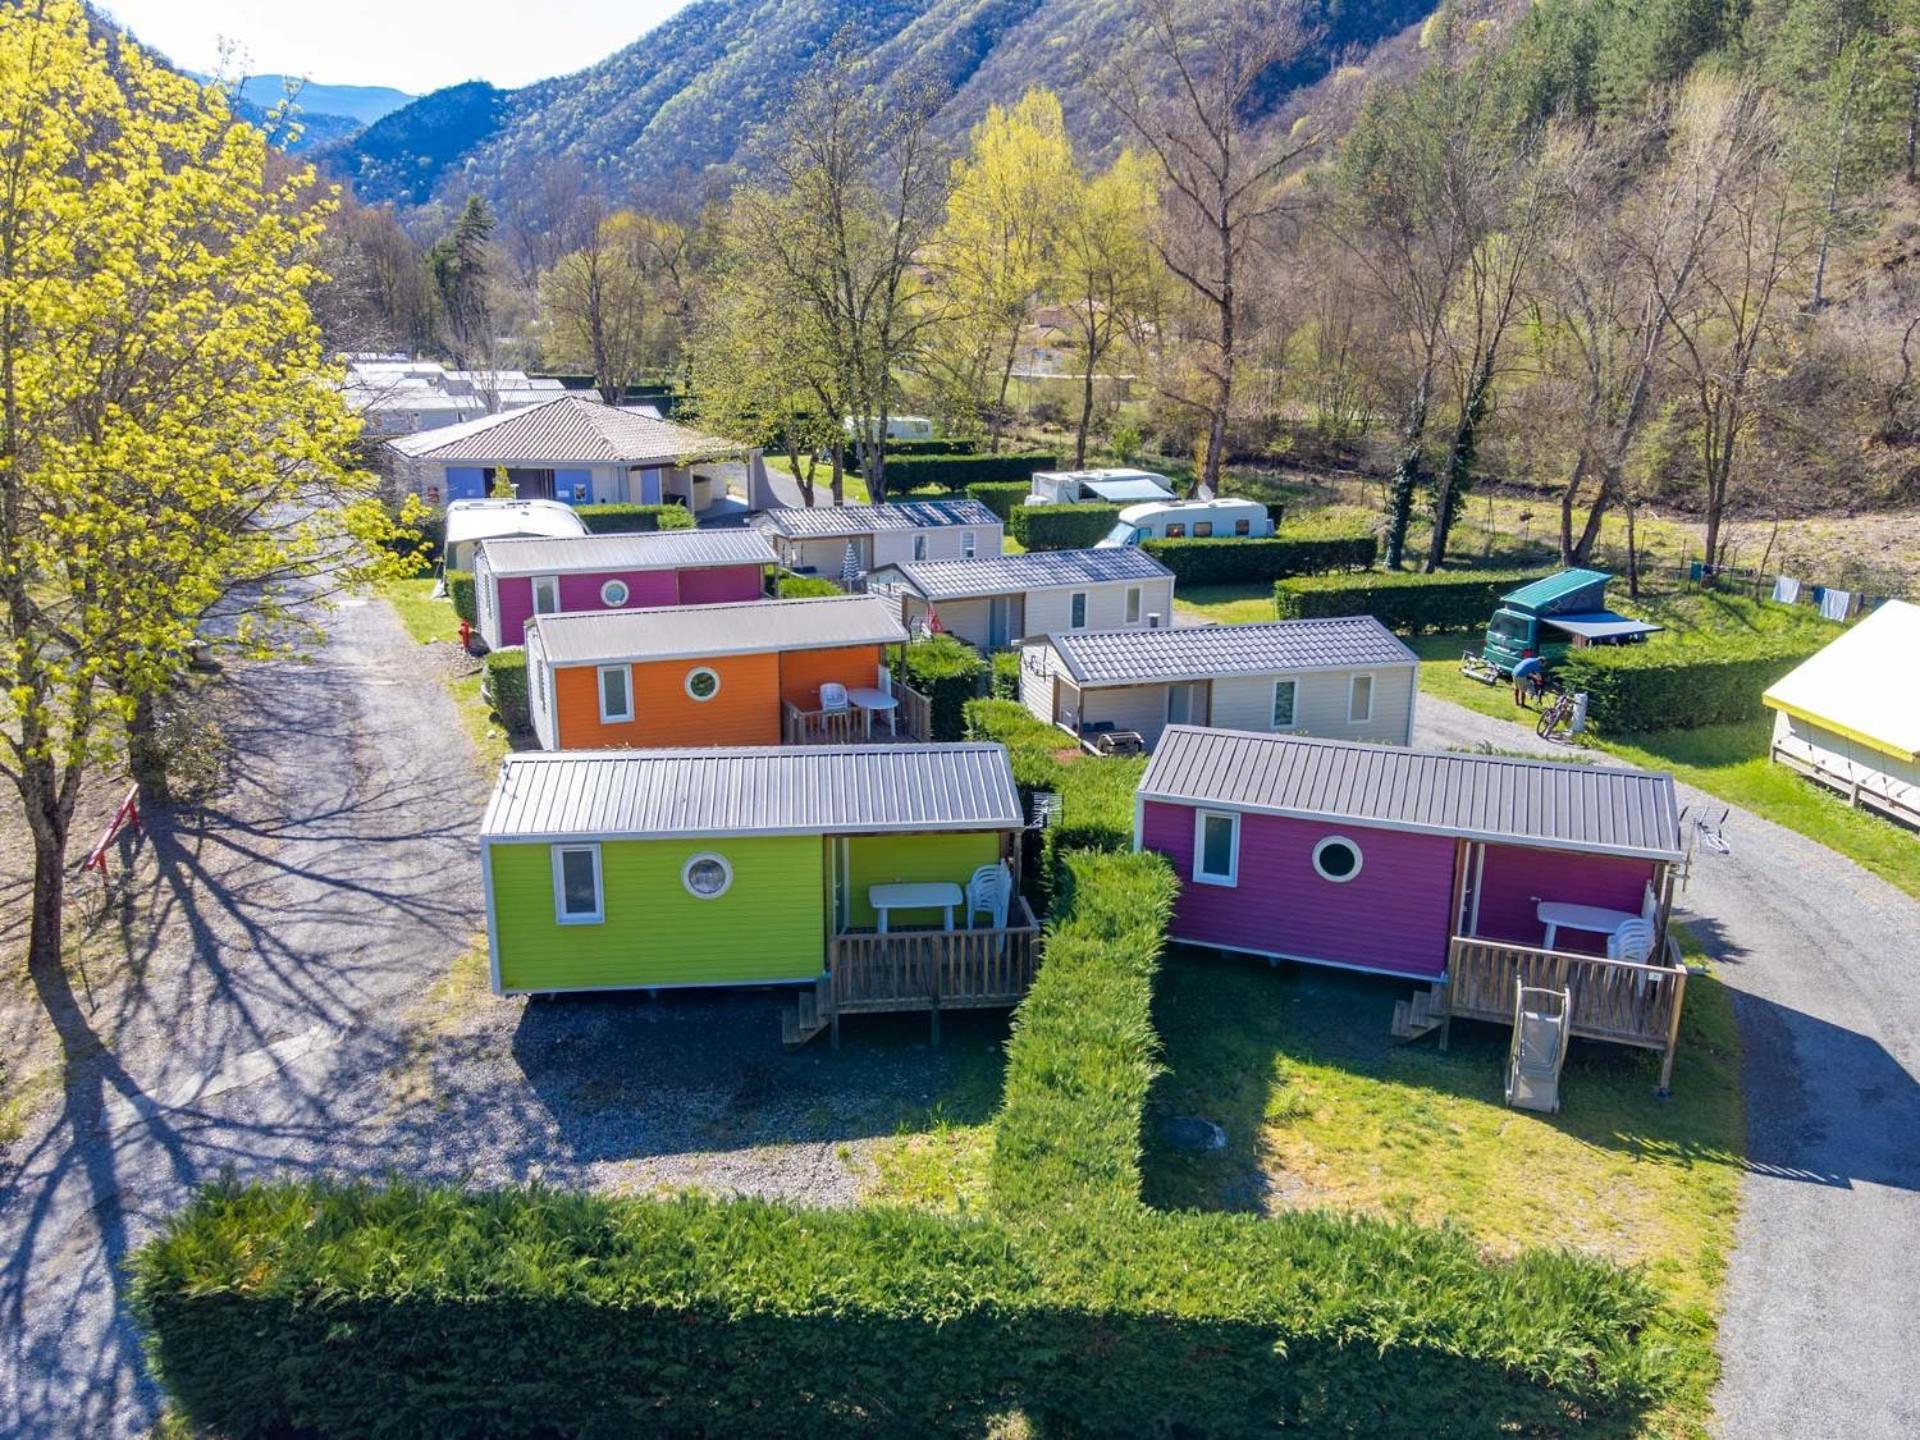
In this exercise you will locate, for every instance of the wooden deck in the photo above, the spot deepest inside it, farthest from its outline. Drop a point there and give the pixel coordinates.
(913, 722)
(1612, 1000)
(920, 970)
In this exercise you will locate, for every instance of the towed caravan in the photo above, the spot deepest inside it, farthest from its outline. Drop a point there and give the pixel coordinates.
(1190, 520)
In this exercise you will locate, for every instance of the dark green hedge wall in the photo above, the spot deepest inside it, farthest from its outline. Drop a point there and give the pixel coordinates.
(1253, 562)
(1451, 600)
(956, 472)
(506, 688)
(460, 595)
(1668, 687)
(624, 519)
(1062, 527)
(948, 672)
(1000, 496)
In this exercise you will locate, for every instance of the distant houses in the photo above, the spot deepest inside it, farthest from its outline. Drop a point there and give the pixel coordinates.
(816, 540)
(995, 600)
(397, 395)
(1346, 679)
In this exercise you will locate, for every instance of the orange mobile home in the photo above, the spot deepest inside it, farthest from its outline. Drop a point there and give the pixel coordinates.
(698, 674)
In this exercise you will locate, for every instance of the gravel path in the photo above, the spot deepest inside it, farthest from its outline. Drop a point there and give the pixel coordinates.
(1822, 1316)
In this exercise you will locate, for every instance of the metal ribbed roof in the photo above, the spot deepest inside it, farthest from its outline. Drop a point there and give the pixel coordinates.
(1545, 591)
(1038, 570)
(814, 522)
(827, 789)
(567, 431)
(743, 628)
(1200, 652)
(1588, 808)
(647, 550)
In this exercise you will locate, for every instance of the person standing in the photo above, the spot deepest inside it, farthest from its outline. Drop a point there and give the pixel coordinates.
(1529, 678)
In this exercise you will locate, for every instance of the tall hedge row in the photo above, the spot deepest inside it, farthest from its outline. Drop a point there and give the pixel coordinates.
(949, 673)
(1254, 562)
(506, 687)
(956, 472)
(1000, 496)
(626, 519)
(1451, 600)
(1674, 687)
(460, 595)
(1062, 527)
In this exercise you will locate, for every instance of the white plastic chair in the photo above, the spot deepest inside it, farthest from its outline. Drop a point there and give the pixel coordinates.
(1632, 941)
(833, 698)
(991, 890)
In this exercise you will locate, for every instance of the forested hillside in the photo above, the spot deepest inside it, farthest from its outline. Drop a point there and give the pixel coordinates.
(688, 97)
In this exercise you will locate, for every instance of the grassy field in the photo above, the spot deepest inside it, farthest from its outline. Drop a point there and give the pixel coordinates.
(1322, 1108)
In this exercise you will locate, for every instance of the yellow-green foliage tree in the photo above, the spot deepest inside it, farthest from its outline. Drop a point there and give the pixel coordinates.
(1000, 246)
(1109, 275)
(171, 442)
(610, 306)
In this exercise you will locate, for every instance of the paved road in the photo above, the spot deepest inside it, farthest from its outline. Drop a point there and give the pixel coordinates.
(1822, 1322)
(260, 1009)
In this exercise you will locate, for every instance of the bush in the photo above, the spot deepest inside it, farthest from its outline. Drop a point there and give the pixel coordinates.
(805, 587)
(626, 519)
(425, 537)
(945, 445)
(956, 472)
(460, 595)
(1062, 527)
(1666, 686)
(506, 688)
(1000, 496)
(1452, 600)
(948, 672)
(1244, 562)
(1006, 675)
(1083, 1051)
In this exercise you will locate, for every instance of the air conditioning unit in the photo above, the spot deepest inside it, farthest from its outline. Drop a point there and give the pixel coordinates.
(1153, 620)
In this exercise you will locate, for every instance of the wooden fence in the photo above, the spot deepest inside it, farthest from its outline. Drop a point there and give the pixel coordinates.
(933, 969)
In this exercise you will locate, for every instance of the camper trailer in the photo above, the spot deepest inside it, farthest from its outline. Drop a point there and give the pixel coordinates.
(1103, 487)
(1190, 520)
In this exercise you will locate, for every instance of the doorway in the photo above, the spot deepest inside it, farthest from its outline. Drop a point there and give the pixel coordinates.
(1187, 704)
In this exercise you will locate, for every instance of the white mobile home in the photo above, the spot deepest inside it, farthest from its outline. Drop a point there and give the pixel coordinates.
(814, 539)
(1106, 487)
(1191, 520)
(1338, 679)
(996, 600)
(1850, 716)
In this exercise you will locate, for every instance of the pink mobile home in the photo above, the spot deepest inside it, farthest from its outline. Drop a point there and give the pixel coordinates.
(1470, 873)
(514, 580)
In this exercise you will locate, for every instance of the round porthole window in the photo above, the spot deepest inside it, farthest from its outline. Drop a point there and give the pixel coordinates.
(703, 684)
(707, 877)
(1336, 858)
(613, 594)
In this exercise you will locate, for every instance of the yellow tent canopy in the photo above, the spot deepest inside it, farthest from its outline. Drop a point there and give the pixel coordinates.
(1865, 685)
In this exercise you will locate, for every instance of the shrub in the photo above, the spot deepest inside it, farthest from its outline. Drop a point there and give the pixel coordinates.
(946, 445)
(625, 519)
(425, 536)
(1000, 496)
(460, 595)
(948, 672)
(1242, 562)
(1452, 600)
(506, 688)
(1006, 674)
(1062, 527)
(1083, 1052)
(956, 472)
(1660, 686)
(805, 587)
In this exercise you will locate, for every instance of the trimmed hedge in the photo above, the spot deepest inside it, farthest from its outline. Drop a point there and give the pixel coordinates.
(956, 472)
(1672, 687)
(1243, 562)
(1006, 675)
(1083, 1052)
(1452, 600)
(626, 519)
(1001, 496)
(505, 687)
(806, 587)
(1062, 527)
(948, 672)
(460, 595)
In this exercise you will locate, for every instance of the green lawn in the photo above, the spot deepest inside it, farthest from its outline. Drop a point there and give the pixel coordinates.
(1226, 604)
(1322, 1108)
(852, 486)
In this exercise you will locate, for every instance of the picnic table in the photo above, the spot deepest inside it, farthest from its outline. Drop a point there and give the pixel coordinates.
(1593, 919)
(924, 895)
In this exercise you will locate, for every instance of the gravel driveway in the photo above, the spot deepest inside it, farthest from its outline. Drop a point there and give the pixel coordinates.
(1822, 1317)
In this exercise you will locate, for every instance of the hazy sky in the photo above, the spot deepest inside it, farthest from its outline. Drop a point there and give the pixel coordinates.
(416, 45)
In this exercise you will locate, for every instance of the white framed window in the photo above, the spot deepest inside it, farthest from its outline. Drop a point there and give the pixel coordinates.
(614, 594)
(1360, 699)
(546, 594)
(1338, 859)
(969, 544)
(920, 547)
(577, 897)
(1077, 610)
(707, 876)
(1286, 695)
(1203, 529)
(616, 694)
(1216, 847)
(703, 682)
(1133, 604)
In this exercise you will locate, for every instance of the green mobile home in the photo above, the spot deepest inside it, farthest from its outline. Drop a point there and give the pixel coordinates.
(644, 869)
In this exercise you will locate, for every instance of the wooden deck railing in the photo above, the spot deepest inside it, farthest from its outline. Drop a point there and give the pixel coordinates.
(1612, 1000)
(915, 715)
(933, 969)
(912, 720)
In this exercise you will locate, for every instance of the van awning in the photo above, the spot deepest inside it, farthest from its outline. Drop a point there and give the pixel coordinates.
(1600, 625)
(1120, 492)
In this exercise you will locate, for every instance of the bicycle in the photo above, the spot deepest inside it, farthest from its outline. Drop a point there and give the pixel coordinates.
(1559, 713)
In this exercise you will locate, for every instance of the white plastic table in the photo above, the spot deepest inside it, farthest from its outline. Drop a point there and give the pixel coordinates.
(1595, 919)
(871, 700)
(928, 895)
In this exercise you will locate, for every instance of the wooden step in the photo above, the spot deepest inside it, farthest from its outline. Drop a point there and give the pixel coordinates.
(1422, 1015)
(812, 1012)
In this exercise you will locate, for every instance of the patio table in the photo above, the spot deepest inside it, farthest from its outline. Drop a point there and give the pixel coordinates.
(927, 895)
(871, 700)
(1594, 919)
